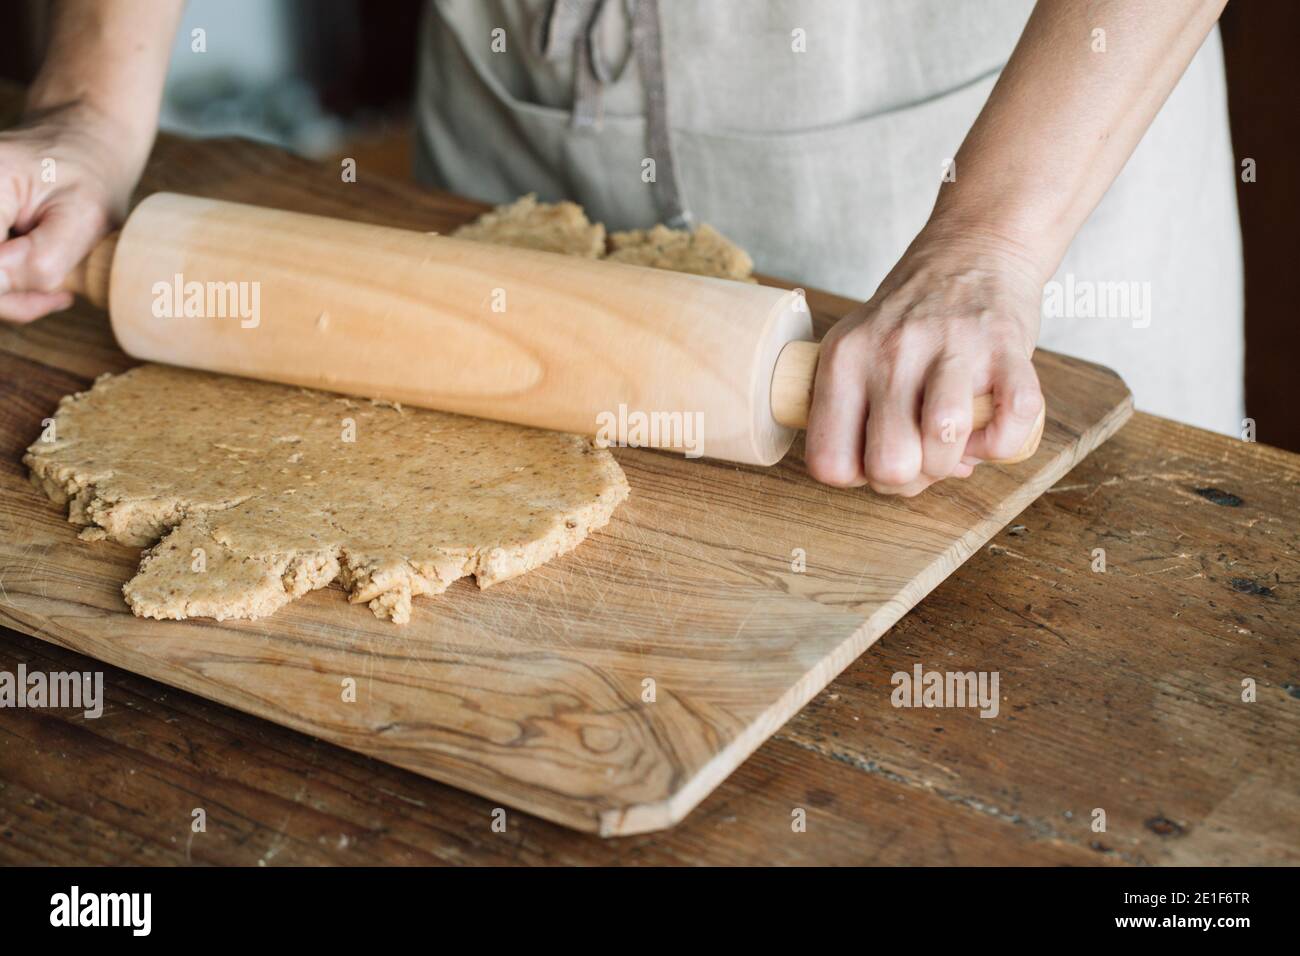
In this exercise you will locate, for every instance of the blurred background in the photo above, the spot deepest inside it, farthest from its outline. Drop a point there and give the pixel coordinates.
(333, 78)
(323, 78)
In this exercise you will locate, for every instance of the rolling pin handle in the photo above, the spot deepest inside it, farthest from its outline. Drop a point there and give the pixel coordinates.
(792, 383)
(90, 279)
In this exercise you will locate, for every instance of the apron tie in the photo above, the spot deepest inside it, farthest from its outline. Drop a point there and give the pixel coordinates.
(573, 25)
(647, 43)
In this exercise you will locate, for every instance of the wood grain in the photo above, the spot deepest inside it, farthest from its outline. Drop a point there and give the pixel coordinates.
(1115, 684)
(1187, 775)
(533, 693)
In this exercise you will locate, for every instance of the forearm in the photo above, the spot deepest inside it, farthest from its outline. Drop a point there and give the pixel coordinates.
(1064, 118)
(110, 58)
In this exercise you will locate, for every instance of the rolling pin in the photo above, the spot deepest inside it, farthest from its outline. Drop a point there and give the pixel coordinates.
(511, 334)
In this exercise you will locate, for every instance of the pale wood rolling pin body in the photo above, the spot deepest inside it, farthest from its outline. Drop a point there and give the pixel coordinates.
(509, 334)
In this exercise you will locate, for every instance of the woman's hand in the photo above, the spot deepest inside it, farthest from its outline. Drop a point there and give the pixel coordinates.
(67, 172)
(957, 317)
(66, 176)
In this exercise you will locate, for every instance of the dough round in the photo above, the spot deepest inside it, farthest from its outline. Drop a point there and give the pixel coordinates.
(249, 494)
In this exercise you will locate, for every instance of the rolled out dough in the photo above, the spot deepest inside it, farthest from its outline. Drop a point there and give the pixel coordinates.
(249, 495)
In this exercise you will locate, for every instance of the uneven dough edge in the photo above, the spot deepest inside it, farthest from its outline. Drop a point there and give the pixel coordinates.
(386, 588)
(169, 527)
(389, 588)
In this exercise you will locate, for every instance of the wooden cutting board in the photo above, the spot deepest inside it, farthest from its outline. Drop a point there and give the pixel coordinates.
(612, 689)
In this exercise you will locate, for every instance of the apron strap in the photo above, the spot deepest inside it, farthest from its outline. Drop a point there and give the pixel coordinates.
(589, 75)
(569, 27)
(573, 25)
(647, 43)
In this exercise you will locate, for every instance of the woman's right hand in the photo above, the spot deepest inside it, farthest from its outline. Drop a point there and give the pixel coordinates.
(66, 178)
(893, 401)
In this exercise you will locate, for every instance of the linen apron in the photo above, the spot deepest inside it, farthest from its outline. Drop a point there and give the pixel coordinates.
(815, 133)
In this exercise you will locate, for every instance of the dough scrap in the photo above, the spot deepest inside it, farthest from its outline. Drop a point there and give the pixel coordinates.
(704, 251)
(552, 227)
(247, 494)
(563, 227)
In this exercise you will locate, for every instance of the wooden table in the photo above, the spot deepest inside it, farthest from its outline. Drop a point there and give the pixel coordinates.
(1122, 690)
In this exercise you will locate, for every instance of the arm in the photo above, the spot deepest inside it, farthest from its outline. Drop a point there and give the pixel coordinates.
(958, 315)
(93, 111)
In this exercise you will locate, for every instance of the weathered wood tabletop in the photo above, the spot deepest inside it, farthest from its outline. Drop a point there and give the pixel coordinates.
(1122, 691)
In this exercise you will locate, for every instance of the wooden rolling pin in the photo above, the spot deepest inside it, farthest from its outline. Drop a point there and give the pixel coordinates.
(504, 333)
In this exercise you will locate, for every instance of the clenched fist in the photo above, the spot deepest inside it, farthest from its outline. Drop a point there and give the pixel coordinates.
(957, 317)
(65, 181)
